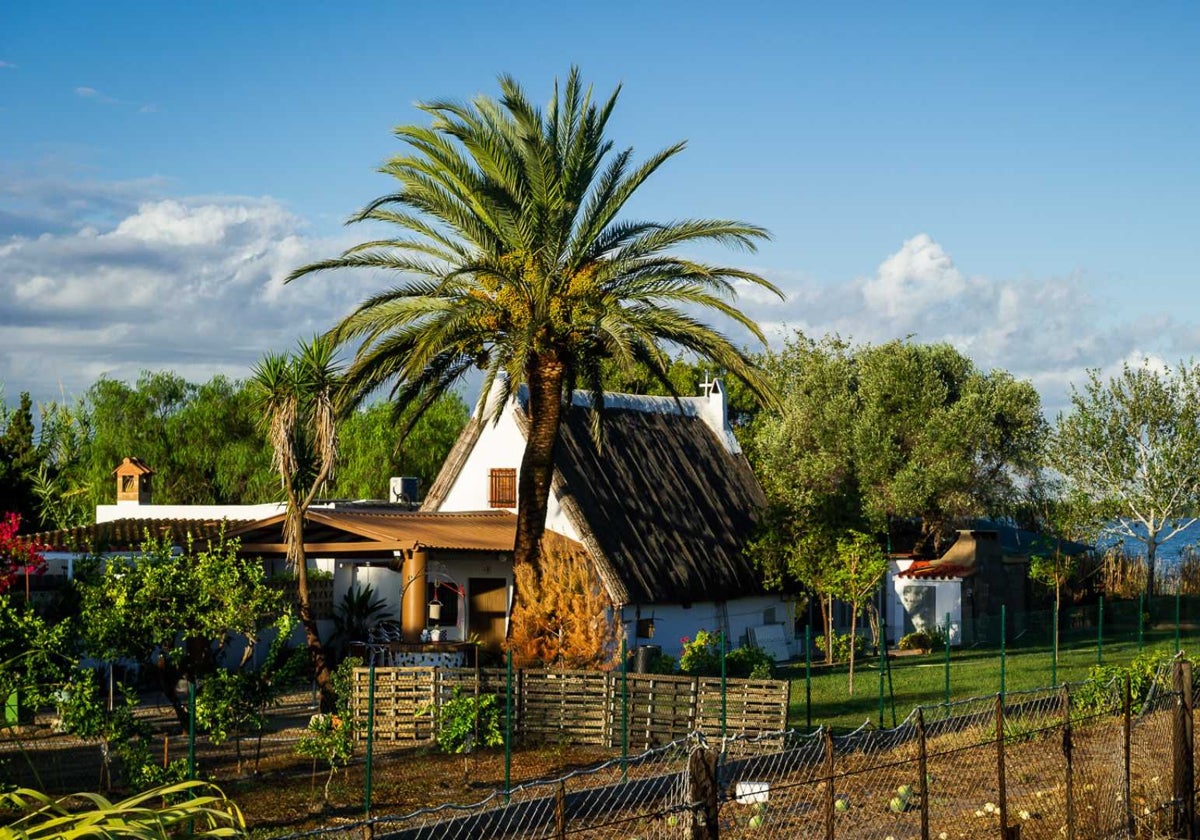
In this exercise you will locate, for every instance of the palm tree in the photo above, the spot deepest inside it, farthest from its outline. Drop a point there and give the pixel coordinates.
(513, 260)
(294, 398)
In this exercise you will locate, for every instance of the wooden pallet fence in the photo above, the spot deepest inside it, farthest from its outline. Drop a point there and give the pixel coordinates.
(564, 706)
(577, 707)
(752, 707)
(399, 694)
(661, 709)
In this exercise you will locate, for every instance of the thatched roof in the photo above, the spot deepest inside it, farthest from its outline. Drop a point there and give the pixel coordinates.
(665, 507)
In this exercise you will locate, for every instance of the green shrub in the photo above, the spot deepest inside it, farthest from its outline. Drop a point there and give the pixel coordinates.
(917, 640)
(701, 656)
(1100, 694)
(456, 722)
(841, 646)
(749, 662)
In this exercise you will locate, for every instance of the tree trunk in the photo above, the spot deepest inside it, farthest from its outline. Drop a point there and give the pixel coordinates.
(1151, 550)
(545, 380)
(299, 560)
(853, 630)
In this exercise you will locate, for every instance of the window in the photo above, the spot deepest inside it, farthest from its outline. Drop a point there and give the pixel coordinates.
(502, 492)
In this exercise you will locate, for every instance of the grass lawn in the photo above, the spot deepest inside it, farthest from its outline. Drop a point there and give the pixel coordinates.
(920, 679)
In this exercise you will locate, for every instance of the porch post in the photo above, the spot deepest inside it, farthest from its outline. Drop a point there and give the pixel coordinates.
(412, 605)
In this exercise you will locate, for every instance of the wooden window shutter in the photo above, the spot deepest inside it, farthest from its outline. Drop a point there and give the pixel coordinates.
(502, 491)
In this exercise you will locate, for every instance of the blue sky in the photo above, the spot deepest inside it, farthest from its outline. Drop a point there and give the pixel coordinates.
(1019, 179)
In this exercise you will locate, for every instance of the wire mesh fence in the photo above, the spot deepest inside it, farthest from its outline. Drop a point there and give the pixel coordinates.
(1083, 761)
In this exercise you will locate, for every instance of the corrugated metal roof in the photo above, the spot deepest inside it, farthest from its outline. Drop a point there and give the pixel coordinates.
(470, 531)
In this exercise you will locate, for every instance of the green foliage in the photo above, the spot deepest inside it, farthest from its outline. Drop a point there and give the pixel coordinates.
(121, 734)
(1102, 690)
(35, 651)
(662, 664)
(1130, 449)
(877, 431)
(19, 459)
(194, 809)
(358, 613)
(330, 736)
(749, 662)
(175, 614)
(456, 721)
(841, 645)
(370, 449)
(234, 703)
(701, 654)
(917, 640)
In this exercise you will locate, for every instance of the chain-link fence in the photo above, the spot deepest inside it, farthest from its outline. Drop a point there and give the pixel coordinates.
(1078, 761)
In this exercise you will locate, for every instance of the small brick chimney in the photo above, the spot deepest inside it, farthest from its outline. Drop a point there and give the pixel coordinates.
(133, 482)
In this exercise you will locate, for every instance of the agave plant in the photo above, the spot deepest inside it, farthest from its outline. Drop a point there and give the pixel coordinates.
(197, 808)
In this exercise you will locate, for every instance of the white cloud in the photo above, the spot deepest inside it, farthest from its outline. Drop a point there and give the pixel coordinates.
(189, 285)
(94, 95)
(7, 65)
(1049, 330)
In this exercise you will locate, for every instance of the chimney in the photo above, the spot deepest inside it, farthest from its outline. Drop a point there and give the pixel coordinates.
(133, 482)
(714, 413)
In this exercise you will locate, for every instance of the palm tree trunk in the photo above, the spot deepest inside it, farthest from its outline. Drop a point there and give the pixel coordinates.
(299, 560)
(545, 380)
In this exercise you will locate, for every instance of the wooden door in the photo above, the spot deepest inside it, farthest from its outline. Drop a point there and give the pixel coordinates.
(487, 609)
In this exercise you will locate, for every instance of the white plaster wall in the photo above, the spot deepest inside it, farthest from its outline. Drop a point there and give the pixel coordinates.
(672, 622)
(500, 446)
(947, 599)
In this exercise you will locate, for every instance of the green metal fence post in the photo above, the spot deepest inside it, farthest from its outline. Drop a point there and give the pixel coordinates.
(723, 698)
(624, 711)
(1003, 643)
(1100, 633)
(946, 666)
(882, 666)
(808, 677)
(370, 739)
(191, 731)
(1141, 617)
(1054, 650)
(508, 700)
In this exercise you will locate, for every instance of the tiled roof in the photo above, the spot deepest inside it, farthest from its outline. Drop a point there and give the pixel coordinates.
(123, 534)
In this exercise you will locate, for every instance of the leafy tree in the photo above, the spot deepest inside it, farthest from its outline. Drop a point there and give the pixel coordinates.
(371, 451)
(869, 433)
(19, 459)
(512, 259)
(60, 484)
(175, 614)
(1130, 447)
(855, 578)
(294, 397)
(234, 702)
(201, 440)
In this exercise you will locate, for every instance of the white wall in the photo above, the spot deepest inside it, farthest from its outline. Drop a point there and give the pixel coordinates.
(947, 598)
(500, 446)
(672, 622)
(234, 513)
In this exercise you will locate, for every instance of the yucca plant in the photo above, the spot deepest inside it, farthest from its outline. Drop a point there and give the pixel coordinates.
(196, 808)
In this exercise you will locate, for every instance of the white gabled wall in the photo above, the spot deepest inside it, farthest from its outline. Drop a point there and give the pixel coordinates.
(499, 446)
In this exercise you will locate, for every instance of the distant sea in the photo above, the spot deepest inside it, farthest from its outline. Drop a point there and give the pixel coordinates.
(1167, 554)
